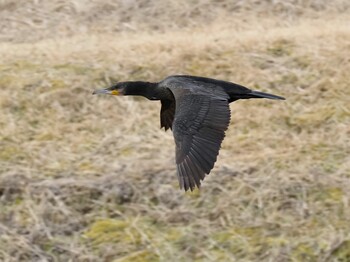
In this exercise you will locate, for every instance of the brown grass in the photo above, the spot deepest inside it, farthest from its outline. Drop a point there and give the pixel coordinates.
(86, 178)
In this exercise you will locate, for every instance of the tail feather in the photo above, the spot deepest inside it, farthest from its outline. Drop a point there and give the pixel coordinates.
(257, 94)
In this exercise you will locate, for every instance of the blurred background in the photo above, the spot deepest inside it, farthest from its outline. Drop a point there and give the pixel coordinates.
(86, 178)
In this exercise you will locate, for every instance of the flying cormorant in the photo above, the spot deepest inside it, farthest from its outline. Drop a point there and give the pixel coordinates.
(197, 110)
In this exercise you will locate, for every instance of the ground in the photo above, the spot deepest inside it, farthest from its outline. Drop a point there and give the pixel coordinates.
(87, 178)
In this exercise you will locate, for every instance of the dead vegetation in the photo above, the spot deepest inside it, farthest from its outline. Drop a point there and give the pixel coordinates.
(86, 178)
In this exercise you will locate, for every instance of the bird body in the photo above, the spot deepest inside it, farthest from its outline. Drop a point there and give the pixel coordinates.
(197, 110)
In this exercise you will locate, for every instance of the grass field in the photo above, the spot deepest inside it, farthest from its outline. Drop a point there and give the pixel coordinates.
(86, 178)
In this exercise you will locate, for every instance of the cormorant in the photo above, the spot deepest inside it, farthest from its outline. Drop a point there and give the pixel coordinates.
(197, 110)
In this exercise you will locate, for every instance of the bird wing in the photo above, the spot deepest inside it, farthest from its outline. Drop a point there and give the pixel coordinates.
(167, 113)
(201, 118)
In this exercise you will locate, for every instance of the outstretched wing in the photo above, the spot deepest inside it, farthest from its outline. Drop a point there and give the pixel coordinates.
(201, 119)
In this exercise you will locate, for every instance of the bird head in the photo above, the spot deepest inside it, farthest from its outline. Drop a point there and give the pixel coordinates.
(115, 90)
(130, 88)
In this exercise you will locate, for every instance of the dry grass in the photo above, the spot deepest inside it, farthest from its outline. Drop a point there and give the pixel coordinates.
(86, 178)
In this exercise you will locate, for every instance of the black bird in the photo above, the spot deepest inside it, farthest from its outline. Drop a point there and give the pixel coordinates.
(197, 110)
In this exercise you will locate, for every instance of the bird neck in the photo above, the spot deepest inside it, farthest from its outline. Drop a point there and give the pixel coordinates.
(140, 88)
(146, 89)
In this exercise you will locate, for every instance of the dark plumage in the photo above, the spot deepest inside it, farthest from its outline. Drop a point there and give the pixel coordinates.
(197, 110)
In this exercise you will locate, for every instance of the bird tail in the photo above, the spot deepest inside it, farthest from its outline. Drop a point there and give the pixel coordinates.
(257, 94)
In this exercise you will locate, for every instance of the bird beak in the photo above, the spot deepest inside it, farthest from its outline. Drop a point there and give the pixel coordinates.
(106, 92)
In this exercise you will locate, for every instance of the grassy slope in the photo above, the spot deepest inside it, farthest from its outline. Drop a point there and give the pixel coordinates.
(92, 178)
